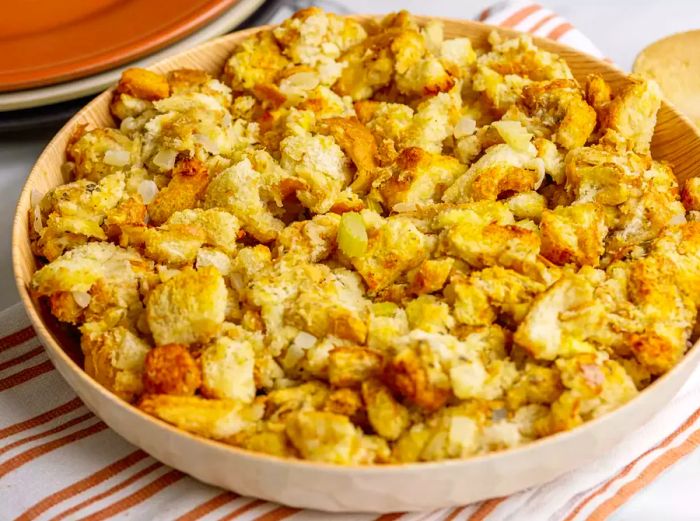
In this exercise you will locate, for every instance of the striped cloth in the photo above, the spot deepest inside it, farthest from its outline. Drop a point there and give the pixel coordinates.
(59, 461)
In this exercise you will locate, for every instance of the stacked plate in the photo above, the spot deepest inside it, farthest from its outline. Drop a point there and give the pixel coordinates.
(53, 53)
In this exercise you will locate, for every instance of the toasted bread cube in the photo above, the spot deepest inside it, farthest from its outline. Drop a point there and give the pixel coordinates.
(358, 143)
(245, 192)
(429, 313)
(632, 113)
(228, 370)
(419, 177)
(218, 419)
(482, 235)
(107, 274)
(221, 228)
(502, 169)
(345, 401)
(174, 245)
(188, 308)
(559, 107)
(535, 384)
(408, 376)
(574, 234)
(548, 331)
(327, 437)
(101, 152)
(171, 369)
(187, 185)
(350, 366)
(387, 416)
(268, 438)
(471, 304)
(320, 165)
(690, 195)
(256, 61)
(430, 276)
(116, 359)
(668, 313)
(394, 248)
(143, 84)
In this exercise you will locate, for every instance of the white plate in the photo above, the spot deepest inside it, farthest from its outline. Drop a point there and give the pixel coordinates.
(92, 84)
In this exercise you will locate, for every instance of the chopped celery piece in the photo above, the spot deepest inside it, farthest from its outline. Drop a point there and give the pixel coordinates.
(352, 234)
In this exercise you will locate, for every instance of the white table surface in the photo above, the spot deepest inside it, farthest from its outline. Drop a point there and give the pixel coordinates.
(620, 28)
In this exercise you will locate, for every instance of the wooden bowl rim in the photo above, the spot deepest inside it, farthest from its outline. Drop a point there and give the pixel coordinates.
(20, 234)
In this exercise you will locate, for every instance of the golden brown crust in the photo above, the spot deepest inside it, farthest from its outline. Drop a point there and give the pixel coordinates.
(187, 185)
(171, 369)
(143, 84)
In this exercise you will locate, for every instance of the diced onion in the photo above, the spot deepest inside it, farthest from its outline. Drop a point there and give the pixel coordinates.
(352, 234)
(207, 143)
(465, 127)
(35, 197)
(679, 218)
(237, 282)
(82, 298)
(117, 157)
(404, 207)
(165, 159)
(299, 82)
(304, 340)
(147, 190)
(37, 223)
(514, 134)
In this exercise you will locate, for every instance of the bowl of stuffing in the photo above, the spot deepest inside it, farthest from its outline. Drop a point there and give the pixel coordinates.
(369, 263)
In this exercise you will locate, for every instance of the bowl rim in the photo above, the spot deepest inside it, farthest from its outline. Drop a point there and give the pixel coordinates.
(51, 343)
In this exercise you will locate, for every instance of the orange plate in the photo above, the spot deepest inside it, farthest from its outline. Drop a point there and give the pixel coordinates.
(49, 41)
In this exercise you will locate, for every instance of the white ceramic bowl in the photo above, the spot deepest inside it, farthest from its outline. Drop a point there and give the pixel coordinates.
(312, 485)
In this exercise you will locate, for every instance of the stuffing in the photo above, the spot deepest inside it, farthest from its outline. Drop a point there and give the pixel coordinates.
(394, 247)
(433, 122)
(501, 169)
(631, 114)
(484, 234)
(690, 195)
(557, 111)
(593, 385)
(387, 417)
(430, 276)
(320, 166)
(640, 196)
(511, 65)
(71, 214)
(186, 187)
(313, 37)
(171, 369)
(228, 370)
(143, 84)
(362, 243)
(573, 234)
(250, 195)
(102, 152)
(359, 145)
(115, 358)
(350, 366)
(418, 177)
(187, 308)
(332, 438)
(218, 419)
(100, 278)
(561, 319)
(257, 61)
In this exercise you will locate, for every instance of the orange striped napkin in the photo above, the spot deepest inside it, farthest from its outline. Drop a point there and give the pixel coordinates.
(59, 461)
